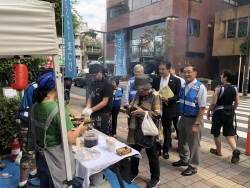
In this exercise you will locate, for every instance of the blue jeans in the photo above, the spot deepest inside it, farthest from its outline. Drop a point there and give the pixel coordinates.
(45, 177)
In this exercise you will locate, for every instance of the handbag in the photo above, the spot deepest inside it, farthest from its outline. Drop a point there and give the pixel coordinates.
(144, 141)
(148, 126)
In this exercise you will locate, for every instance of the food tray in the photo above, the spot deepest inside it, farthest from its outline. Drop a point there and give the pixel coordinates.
(123, 151)
(86, 154)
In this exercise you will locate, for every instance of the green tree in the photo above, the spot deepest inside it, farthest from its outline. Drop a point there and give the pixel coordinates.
(157, 42)
(58, 15)
(243, 47)
(88, 39)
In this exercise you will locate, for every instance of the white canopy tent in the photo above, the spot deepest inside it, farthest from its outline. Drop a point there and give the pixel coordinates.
(27, 27)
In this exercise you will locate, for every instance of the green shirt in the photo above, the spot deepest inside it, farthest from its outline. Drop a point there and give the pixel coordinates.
(53, 135)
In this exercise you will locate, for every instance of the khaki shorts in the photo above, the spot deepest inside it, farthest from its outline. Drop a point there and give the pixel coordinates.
(28, 156)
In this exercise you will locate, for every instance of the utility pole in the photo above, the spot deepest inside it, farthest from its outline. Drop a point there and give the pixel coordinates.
(141, 50)
(247, 63)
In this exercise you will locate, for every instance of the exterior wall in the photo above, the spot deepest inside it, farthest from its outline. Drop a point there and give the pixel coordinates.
(205, 12)
(207, 66)
(228, 46)
(143, 15)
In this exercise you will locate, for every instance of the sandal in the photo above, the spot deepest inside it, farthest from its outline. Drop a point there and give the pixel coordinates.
(236, 156)
(214, 151)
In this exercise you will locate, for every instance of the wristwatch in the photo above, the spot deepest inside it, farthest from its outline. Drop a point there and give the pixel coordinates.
(197, 124)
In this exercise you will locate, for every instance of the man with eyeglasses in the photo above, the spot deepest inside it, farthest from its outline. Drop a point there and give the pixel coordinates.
(192, 107)
(130, 93)
(99, 103)
(169, 109)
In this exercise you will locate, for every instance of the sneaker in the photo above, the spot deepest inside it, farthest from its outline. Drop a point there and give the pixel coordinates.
(32, 177)
(134, 176)
(153, 183)
(29, 185)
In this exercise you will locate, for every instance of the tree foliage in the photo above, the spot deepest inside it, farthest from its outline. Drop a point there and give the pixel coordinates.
(8, 128)
(58, 15)
(243, 47)
(156, 40)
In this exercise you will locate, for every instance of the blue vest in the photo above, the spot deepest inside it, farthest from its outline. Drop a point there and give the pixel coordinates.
(132, 92)
(188, 105)
(28, 100)
(117, 98)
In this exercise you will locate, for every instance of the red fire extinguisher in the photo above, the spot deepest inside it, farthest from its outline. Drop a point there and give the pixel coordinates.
(15, 145)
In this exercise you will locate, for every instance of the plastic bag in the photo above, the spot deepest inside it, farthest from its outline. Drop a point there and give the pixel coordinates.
(18, 158)
(148, 126)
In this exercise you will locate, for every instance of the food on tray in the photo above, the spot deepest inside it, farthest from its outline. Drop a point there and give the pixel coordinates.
(78, 118)
(87, 120)
(123, 151)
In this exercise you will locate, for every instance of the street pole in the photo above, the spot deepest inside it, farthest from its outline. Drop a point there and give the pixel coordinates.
(247, 63)
(238, 85)
(141, 50)
(103, 48)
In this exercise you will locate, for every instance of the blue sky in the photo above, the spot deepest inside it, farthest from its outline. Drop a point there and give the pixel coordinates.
(93, 12)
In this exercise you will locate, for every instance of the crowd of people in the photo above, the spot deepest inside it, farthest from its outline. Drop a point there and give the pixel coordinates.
(41, 135)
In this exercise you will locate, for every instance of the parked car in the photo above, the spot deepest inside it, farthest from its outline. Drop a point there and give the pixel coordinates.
(80, 80)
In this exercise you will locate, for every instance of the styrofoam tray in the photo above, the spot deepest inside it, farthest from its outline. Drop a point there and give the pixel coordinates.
(86, 154)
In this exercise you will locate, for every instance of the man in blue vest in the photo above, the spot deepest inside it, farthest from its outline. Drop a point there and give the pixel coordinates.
(130, 93)
(224, 103)
(192, 107)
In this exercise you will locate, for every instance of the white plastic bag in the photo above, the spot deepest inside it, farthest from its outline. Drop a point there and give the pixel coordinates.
(148, 126)
(18, 159)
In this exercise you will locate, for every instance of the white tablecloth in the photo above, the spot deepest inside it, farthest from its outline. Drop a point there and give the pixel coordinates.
(87, 168)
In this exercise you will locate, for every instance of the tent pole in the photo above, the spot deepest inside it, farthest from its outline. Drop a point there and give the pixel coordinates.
(60, 100)
(63, 48)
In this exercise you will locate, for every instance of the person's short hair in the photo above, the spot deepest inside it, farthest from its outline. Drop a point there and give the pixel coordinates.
(188, 65)
(139, 66)
(181, 69)
(115, 79)
(172, 66)
(229, 74)
(166, 63)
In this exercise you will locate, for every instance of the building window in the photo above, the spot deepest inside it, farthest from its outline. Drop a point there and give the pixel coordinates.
(232, 2)
(195, 55)
(146, 3)
(126, 6)
(193, 27)
(137, 4)
(117, 10)
(198, 1)
(111, 36)
(243, 25)
(231, 30)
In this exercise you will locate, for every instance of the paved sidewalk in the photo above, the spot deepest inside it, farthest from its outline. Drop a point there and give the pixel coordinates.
(214, 171)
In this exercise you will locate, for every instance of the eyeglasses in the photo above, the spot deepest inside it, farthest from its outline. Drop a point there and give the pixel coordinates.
(188, 72)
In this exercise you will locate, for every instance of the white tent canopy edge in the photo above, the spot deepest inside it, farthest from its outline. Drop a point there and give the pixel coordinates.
(28, 28)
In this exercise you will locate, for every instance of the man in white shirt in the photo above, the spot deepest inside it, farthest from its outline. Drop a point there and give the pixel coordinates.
(169, 109)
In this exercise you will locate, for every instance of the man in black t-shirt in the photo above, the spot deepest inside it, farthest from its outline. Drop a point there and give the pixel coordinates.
(99, 103)
(224, 103)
